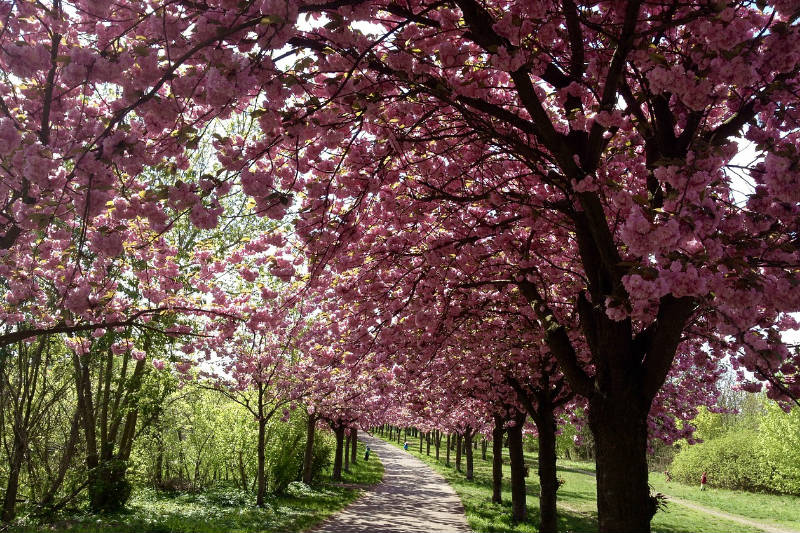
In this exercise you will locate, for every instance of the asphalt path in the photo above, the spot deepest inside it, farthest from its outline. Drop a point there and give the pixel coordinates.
(411, 498)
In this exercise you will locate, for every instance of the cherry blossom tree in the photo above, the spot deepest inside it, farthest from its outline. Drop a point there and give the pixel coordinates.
(592, 148)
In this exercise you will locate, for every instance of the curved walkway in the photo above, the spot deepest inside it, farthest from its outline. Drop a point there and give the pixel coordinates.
(411, 498)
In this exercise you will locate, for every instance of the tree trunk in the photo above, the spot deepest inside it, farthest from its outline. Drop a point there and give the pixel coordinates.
(458, 452)
(548, 481)
(469, 449)
(12, 487)
(619, 427)
(497, 459)
(437, 442)
(447, 458)
(347, 440)
(519, 511)
(354, 445)
(428, 444)
(242, 471)
(484, 445)
(337, 462)
(262, 478)
(420, 442)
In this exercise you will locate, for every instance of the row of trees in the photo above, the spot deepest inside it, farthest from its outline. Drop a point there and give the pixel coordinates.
(89, 428)
(470, 213)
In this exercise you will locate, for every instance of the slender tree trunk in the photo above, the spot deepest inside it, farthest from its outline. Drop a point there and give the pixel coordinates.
(548, 481)
(347, 440)
(262, 478)
(308, 457)
(337, 462)
(518, 505)
(420, 442)
(354, 445)
(484, 445)
(447, 459)
(458, 451)
(468, 437)
(497, 459)
(242, 470)
(619, 427)
(12, 486)
(428, 443)
(66, 460)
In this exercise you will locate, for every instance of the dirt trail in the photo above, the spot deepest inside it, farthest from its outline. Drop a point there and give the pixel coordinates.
(411, 498)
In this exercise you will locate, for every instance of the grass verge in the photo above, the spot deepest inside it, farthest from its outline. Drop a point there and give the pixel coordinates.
(577, 507)
(219, 510)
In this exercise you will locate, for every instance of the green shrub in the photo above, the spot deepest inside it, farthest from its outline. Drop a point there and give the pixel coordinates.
(284, 453)
(323, 450)
(733, 461)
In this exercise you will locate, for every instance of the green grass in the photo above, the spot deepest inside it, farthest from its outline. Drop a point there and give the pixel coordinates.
(361, 473)
(776, 508)
(220, 510)
(576, 500)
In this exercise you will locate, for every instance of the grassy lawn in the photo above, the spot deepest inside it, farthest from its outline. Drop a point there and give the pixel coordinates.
(222, 510)
(576, 500)
(777, 508)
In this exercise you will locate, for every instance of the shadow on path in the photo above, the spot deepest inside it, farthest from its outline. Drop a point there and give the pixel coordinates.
(411, 498)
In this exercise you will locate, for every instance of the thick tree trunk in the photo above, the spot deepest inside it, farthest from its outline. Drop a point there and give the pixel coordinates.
(548, 481)
(458, 452)
(497, 460)
(308, 457)
(619, 427)
(337, 462)
(469, 449)
(354, 445)
(519, 511)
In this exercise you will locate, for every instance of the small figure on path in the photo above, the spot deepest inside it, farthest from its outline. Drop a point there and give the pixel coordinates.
(667, 476)
(366, 454)
(405, 445)
(703, 480)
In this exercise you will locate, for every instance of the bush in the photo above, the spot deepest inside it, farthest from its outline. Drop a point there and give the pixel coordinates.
(733, 461)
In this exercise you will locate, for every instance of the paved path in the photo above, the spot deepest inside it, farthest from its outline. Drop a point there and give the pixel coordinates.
(764, 526)
(411, 498)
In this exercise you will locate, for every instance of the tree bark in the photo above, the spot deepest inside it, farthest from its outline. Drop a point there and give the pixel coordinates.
(347, 440)
(308, 457)
(262, 478)
(468, 437)
(619, 427)
(458, 452)
(548, 481)
(497, 459)
(519, 510)
(447, 458)
(12, 486)
(337, 462)
(354, 445)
